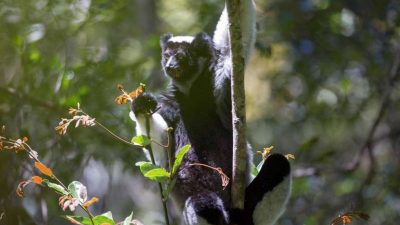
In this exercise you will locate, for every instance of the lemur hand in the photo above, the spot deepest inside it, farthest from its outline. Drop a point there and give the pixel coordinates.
(145, 103)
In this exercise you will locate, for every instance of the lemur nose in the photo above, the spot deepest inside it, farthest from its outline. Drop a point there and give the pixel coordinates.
(171, 63)
(170, 69)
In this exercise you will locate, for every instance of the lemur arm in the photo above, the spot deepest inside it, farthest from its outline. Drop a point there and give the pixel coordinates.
(145, 106)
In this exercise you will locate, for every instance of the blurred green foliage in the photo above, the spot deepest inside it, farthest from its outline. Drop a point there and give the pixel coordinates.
(323, 73)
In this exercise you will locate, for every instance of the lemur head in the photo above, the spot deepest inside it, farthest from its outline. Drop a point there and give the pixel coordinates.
(185, 57)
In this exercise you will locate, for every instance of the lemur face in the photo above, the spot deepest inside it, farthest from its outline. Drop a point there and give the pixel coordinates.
(177, 58)
(184, 57)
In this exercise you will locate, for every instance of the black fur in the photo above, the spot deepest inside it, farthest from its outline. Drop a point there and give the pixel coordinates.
(145, 104)
(195, 121)
(206, 206)
(190, 107)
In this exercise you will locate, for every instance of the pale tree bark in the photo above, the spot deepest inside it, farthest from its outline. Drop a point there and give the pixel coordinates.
(238, 105)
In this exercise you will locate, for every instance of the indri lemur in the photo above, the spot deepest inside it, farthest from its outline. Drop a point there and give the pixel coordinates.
(197, 105)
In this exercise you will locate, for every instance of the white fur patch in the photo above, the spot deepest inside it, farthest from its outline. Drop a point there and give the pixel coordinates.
(190, 217)
(221, 35)
(158, 132)
(248, 24)
(273, 204)
(180, 39)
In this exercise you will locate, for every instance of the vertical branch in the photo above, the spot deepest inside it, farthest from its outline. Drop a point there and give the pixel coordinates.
(238, 105)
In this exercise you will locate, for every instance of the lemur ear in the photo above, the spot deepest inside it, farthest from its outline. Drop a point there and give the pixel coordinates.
(203, 45)
(164, 39)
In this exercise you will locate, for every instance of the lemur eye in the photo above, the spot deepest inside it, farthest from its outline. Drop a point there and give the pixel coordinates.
(180, 56)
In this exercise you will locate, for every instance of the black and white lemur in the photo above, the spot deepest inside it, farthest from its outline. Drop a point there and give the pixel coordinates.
(197, 105)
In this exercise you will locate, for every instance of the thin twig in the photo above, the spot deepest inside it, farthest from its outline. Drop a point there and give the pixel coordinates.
(110, 132)
(114, 135)
(393, 75)
(224, 177)
(27, 148)
(29, 98)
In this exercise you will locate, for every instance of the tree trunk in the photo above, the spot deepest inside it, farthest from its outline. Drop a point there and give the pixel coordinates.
(238, 105)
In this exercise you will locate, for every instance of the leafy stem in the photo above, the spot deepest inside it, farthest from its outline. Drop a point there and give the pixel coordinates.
(22, 145)
(164, 203)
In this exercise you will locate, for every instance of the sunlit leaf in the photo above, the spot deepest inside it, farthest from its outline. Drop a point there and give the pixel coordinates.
(97, 220)
(78, 190)
(105, 218)
(254, 170)
(58, 188)
(141, 140)
(182, 152)
(157, 174)
(145, 166)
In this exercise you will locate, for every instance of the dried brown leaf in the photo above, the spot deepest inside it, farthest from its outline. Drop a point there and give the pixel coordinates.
(90, 202)
(20, 188)
(44, 169)
(37, 180)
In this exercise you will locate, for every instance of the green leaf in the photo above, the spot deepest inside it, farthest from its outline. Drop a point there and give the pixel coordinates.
(254, 170)
(78, 191)
(97, 220)
(182, 152)
(141, 140)
(170, 187)
(145, 166)
(78, 219)
(128, 220)
(58, 188)
(103, 219)
(108, 215)
(158, 174)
